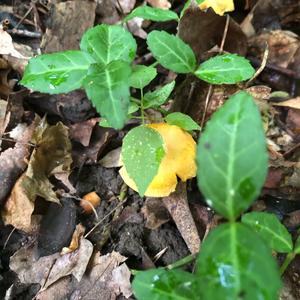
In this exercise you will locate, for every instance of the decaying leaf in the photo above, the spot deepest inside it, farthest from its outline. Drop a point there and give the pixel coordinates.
(6, 45)
(18, 208)
(292, 103)
(219, 6)
(51, 156)
(164, 4)
(48, 269)
(179, 160)
(75, 242)
(111, 159)
(13, 161)
(81, 132)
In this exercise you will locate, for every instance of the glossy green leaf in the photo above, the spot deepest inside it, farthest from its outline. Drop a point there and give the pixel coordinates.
(171, 52)
(57, 73)
(133, 107)
(271, 230)
(297, 246)
(225, 69)
(109, 42)
(232, 156)
(142, 152)
(159, 96)
(159, 284)
(108, 89)
(152, 14)
(182, 120)
(142, 76)
(235, 263)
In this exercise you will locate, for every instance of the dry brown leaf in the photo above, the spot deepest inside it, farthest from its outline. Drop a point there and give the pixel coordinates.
(111, 159)
(18, 208)
(51, 156)
(78, 233)
(81, 132)
(6, 45)
(164, 4)
(155, 213)
(107, 278)
(204, 30)
(49, 269)
(13, 161)
(292, 103)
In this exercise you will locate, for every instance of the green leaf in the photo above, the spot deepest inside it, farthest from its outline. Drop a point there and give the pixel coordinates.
(225, 69)
(171, 52)
(271, 230)
(234, 263)
(182, 120)
(57, 73)
(142, 152)
(142, 76)
(152, 14)
(297, 246)
(109, 42)
(159, 96)
(232, 156)
(108, 89)
(133, 107)
(161, 284)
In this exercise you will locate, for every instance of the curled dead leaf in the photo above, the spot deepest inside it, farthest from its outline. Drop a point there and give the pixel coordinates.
(219, 6)
(179, 160)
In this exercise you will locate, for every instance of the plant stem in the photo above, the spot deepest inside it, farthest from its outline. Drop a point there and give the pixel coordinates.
(142, 107)
(184, 261)
(154, 64)
(286, 262)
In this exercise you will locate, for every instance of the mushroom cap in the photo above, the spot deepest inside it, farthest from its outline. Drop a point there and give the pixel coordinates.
(179, 160)
(219, 6)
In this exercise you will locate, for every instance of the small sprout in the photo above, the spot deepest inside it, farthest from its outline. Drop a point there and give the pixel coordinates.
(179, 160)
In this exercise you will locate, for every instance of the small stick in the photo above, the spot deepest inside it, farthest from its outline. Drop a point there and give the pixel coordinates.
(25, 33)
(224, 34)
(262, 66)
(179, 209)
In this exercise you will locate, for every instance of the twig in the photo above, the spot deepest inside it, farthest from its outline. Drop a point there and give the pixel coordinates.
(224, 34)
(209, 92)
(210, 89)
(262, 66)
(8, 238)
(24, 17)
(106, 216)
(25, 33)
(287, 72)
(160, 254)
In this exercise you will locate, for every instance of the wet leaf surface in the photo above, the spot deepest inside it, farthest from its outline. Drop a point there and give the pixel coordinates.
(227, 139)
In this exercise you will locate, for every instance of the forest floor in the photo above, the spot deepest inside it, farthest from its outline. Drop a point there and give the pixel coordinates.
(67, 250)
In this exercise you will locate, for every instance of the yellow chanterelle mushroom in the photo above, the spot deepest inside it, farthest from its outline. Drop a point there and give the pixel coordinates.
(219, 6)
(179, 160)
